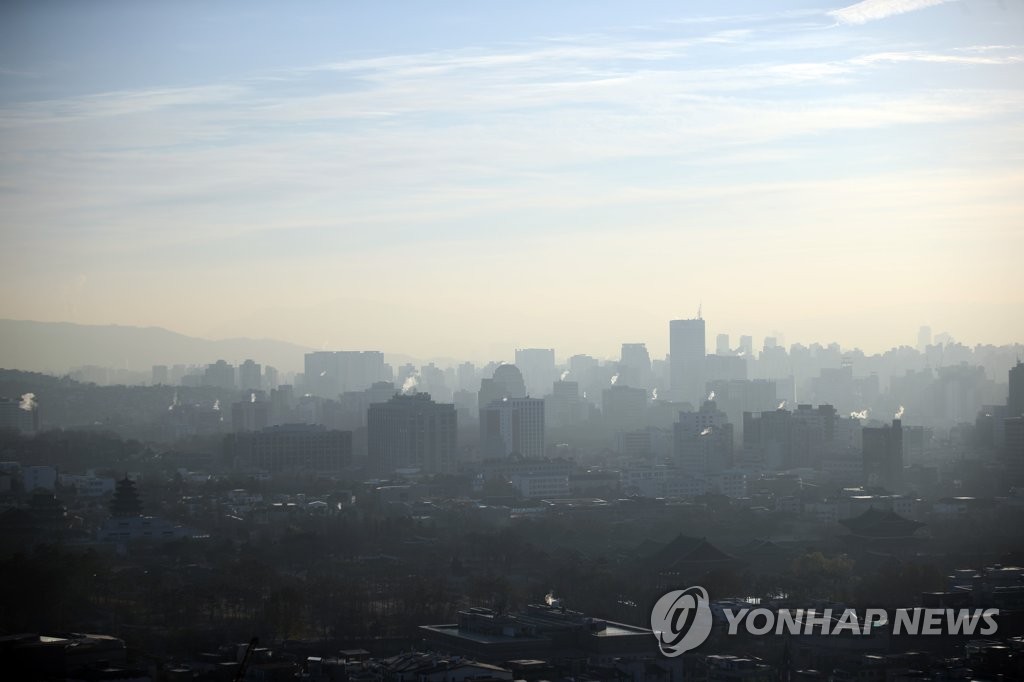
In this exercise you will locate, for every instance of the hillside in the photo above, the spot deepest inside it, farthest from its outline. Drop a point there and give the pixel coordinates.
(59, 346)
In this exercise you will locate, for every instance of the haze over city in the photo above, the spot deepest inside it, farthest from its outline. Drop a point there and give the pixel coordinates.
(457, 180)
(511, 341)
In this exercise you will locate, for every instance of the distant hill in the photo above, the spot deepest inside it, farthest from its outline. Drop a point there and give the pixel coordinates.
(57, 347)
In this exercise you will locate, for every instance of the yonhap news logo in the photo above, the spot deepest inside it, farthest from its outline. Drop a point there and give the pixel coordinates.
(683, 619)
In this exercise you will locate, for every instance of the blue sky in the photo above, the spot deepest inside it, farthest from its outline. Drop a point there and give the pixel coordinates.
(462, 178)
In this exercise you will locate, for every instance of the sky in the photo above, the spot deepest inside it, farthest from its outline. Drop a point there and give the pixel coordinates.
(461, 178)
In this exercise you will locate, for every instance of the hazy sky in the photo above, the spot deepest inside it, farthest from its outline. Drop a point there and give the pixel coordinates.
(457, 178)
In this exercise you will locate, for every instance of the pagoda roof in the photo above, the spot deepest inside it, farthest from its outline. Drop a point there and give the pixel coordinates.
(691, 550)
(881, 524)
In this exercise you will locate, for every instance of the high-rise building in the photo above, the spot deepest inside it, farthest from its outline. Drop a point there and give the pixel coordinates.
(883, 455)
(512, 425)
(746, 346)
(270, 378)
(779, 439)
(687, 348)
(722, 345)
(635, 366)
(1013, 447)
(1015, 400)
(564, 407)
(250, 376)
(330, 373)
(703, 440)
(252, 413)
(538, 368)
(354, 406)
(220, 375)
(161, 376)
(924, 338)
(411, 432)
(743, 395)
(724, 368)
(291, 448)
(466, 376)
(624, 407)
(581, 365)
(507, 382)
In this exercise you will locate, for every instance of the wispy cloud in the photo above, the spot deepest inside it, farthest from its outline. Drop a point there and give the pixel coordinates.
(936, 58)
(442, 137)
(872, 10)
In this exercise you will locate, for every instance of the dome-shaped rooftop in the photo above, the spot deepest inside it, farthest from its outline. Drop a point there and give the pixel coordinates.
(511, 379)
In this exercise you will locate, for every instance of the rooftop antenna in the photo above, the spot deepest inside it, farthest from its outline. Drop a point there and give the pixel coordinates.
(700, 307)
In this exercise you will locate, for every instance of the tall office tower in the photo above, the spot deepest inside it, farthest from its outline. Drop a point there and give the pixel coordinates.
(512, 425)
(724, 368)
(635, 366)
(220, 375)
(747, 345)
(411, 431)
(722, 345)
(1015, 401)
(924, 338)
(564, 407)
(161, 377)
(739, 396)
(538, 368)
(581, 365)
(466, 376)
(250, 376)
(703, 440)
(1013, 447)
(624, 408)
(270, 378)
(883, 456)
(330, 373)
(687, 347)
(354, 405)
(251, 413)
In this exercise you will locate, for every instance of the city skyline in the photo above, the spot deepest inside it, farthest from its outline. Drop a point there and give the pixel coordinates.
(454, 180)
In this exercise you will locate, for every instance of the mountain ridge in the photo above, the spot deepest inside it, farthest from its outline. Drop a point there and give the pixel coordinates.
(61, 346)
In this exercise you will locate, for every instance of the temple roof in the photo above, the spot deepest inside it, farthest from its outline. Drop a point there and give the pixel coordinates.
(875, 523)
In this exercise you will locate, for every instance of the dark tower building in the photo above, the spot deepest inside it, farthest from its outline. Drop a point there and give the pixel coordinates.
(411, 431)
(126, 500)
(1015, 402)
(883, 456)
